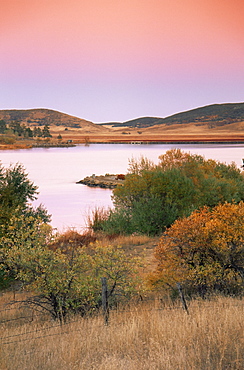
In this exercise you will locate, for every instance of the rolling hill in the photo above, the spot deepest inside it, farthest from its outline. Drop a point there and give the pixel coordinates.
(214, 115)
(215, 123)
(42, 117)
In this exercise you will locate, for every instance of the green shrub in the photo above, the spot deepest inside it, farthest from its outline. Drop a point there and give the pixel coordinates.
(7, 139)
(154, 196)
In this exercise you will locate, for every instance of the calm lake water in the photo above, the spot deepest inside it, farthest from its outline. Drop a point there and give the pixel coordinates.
(56, 170)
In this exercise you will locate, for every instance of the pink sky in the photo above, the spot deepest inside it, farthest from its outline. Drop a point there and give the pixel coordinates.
(114, 60)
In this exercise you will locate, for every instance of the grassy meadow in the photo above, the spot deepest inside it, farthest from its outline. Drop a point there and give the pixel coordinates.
(148, 335)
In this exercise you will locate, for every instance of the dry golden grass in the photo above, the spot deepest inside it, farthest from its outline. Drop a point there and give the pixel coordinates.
(163, 133)
(141, 246)
(130, 242)
(145, 336)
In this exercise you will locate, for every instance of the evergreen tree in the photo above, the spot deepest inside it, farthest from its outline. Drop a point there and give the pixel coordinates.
(3, 126)
(46, 132)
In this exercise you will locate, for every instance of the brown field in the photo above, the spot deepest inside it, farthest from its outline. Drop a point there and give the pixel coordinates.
(161, 133)
(152, 335)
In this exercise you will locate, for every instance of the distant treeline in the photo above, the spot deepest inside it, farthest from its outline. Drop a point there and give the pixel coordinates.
(21, 130)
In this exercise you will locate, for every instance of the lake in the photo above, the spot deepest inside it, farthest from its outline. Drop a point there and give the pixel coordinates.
(56, 170)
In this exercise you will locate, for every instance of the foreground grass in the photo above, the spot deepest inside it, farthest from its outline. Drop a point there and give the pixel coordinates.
(145, 336)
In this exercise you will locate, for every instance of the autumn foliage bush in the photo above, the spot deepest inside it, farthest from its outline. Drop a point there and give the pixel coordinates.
(205, 252)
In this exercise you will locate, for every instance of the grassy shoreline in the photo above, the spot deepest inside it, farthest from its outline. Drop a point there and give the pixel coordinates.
(29, 144)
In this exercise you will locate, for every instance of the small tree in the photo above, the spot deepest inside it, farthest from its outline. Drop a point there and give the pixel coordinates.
(37, 132)
(16, 190)
(46, 132)
(121, 271)
(23, 234)
(28, 132)
(3, 126)
(16, 212)
(16, 193)
(17, 128)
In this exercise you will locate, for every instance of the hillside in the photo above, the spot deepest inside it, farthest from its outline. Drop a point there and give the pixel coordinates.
(214, 115)
(42, 117)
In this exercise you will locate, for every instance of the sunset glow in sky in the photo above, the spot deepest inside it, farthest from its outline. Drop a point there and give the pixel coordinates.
(115, 60)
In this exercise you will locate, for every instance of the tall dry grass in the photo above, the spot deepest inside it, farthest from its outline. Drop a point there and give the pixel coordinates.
(145, 336)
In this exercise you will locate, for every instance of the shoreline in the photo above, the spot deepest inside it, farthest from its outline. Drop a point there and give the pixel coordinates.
(148, 142)
(74, 140)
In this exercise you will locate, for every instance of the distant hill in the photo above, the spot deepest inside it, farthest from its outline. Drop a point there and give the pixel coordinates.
(41, 117)
(211, 116)
(214, 115)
